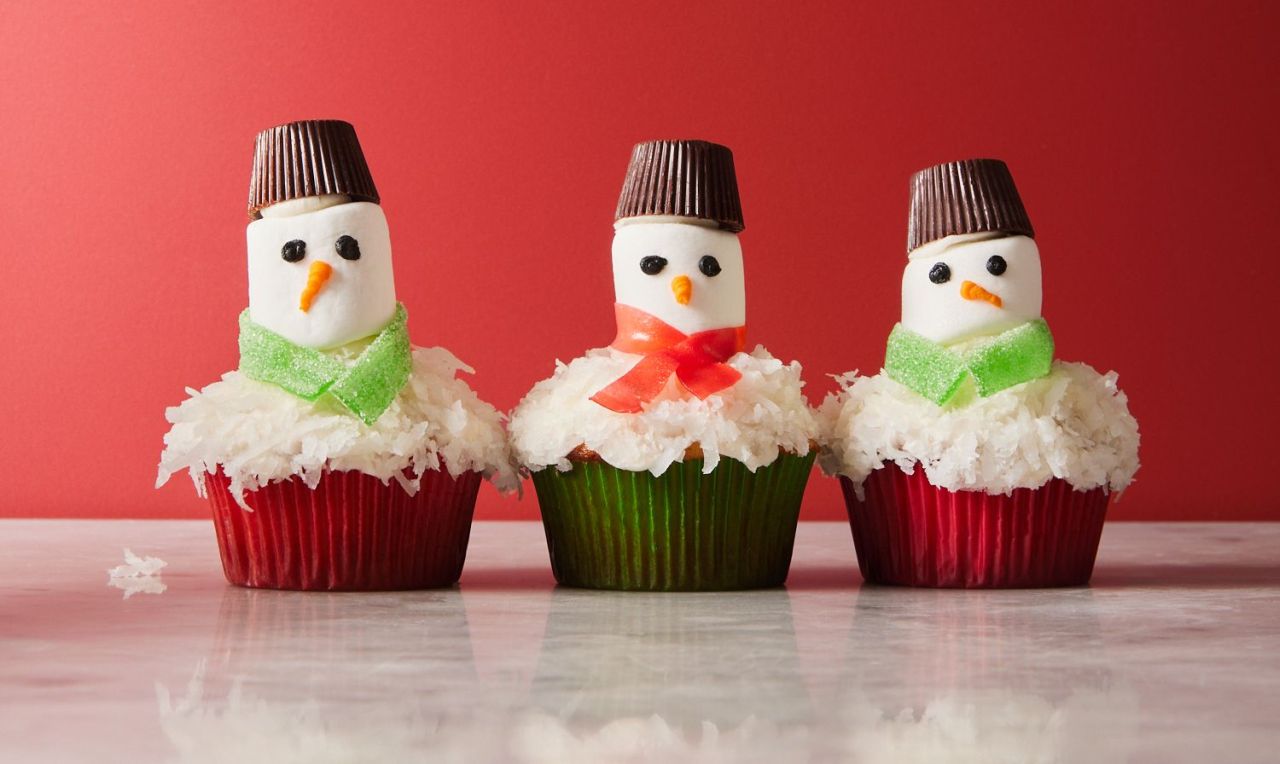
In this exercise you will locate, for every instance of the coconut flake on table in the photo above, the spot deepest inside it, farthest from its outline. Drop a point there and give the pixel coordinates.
(136, 567)
(137, 574)
(1072, 424)
(259, 433)
(763, 414)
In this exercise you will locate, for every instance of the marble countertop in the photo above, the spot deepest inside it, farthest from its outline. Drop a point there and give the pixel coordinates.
(1173, 654)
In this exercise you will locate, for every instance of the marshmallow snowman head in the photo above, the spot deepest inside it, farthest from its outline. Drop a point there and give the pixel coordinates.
(322, 278)
(971, 285)
(682, 270)
(676, 253)
(319, 248)
(973, 267)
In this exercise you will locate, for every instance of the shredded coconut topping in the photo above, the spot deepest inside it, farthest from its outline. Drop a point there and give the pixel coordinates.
(1072, 424)
(763, 414)
(258, 433)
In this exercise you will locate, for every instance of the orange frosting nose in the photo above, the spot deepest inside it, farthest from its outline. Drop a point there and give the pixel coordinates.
(972, 291)
(682, 288)
(316, 278)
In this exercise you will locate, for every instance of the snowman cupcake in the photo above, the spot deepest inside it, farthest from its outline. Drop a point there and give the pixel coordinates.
(974, 459)
(672, 459)
(337, 456)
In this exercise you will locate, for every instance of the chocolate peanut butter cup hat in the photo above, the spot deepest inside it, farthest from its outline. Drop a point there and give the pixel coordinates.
(969, 196)
(686, 178)
(308, 158)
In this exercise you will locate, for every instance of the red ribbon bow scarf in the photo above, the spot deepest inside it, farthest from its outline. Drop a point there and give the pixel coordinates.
(697, 360)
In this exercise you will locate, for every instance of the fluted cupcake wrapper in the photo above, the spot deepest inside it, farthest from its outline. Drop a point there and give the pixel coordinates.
(684, 178)
(609, 528)
(350, 533)
(909, 532)
(969, 196)
(311, 157)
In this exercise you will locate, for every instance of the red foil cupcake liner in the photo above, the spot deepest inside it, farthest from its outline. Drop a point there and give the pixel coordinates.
(908, 532)
(350, 533)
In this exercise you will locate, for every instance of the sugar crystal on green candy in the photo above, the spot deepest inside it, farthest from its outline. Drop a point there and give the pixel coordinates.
(379, 373)
(922, 365)
(936, 372)
(366, 389)
(1011, 358)
(268, 357)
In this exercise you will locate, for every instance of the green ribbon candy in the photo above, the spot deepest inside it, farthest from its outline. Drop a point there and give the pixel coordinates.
(936, 372)
(365, 388)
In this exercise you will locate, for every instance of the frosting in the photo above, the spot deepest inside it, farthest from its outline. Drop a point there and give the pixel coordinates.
(317, 276)
(258, 433)
(680, 292)
(329, 305)
(753, 421)
(971, 285)
(1072, 424)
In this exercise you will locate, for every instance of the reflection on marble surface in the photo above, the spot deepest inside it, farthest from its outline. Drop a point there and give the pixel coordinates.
(979, 679)
(1172, 655)
(672, 675)
(305, 677)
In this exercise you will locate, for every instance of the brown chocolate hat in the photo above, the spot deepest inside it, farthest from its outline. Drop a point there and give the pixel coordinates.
(308, 158)
(688, 178)
(969, 196)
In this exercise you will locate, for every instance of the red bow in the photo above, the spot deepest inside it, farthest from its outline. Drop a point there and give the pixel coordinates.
(697, 360)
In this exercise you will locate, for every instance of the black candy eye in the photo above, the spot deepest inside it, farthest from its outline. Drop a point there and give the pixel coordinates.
(940, 273)
(293, 251)
(996, 265)
(653, 264)
(348, 248)
(709, 266)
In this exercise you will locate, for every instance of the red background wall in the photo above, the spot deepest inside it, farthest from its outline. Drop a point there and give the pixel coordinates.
(1142, 137)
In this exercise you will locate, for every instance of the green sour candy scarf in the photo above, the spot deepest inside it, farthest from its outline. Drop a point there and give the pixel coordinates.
(366, 388)
(1010, 358)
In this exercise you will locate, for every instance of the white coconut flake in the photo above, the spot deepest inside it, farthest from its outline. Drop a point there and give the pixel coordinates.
(1072, 424)
(137, 574)
(135, 566)
(259, 433)
(762, 415)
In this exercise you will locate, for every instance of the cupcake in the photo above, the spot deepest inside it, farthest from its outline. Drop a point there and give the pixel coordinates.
(974, 459)
(672, 459)
(338, 456)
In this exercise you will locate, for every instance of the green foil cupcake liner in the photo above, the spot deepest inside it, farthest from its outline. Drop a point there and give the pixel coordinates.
(609, 528)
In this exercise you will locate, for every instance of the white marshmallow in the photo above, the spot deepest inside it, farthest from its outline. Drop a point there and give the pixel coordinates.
(302, 205)
(939, 311)
(359, 297)
(716, 301)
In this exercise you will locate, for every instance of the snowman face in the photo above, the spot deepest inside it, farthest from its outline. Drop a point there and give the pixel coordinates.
(972, 285)
(322, 278)
(687, 274)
